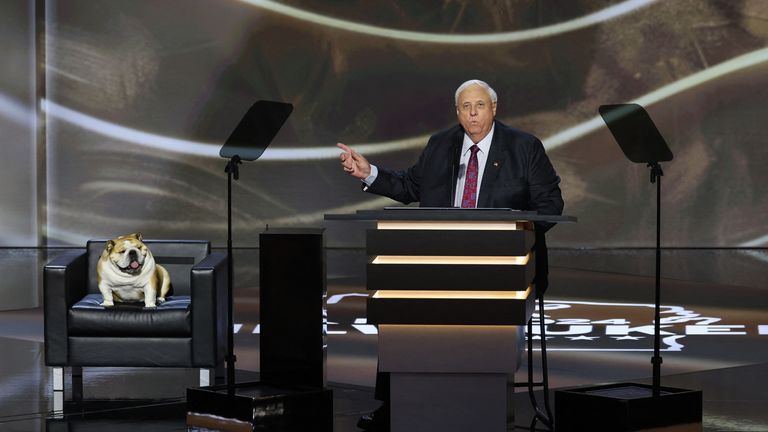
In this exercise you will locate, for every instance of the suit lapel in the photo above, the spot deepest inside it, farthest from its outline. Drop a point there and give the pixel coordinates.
(496, 158)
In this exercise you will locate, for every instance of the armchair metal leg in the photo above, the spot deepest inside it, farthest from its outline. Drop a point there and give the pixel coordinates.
(206, 377)
(210, 377)
(220, 374)
(57, 376)
(77, 383)
(58, 404)
(58, 380)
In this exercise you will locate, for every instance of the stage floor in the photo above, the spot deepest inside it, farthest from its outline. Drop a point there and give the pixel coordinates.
(597, 310)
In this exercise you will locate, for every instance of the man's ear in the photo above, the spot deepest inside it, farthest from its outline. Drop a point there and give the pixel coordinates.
(109, 246)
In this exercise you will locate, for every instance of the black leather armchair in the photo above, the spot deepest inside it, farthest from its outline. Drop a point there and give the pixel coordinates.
(189, 330)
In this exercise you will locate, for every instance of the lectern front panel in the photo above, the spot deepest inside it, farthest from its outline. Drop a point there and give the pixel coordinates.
(423, 269)
(502, 308)
(450, 348)
(450, 242)
(449, 276)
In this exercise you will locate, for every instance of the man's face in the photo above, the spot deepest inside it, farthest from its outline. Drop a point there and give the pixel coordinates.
(476, 112)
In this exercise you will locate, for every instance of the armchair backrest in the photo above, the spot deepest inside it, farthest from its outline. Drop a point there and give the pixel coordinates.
(177, 256)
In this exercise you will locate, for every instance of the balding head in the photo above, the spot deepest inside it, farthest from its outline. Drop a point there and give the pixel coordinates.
(475, 82)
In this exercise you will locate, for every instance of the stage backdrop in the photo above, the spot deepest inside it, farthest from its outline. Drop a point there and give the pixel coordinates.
(139, 96)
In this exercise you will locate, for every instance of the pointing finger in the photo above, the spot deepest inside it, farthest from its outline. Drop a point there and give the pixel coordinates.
(344, 147)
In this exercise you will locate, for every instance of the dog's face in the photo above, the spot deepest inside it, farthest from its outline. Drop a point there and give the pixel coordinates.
(127, 253)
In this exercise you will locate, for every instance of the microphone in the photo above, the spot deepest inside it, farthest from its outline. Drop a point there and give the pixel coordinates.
(462, 172)
(454, 176)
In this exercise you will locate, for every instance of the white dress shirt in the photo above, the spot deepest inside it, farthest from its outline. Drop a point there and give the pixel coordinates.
(482, 157)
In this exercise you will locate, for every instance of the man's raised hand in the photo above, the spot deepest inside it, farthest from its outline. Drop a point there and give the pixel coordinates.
(353, 162)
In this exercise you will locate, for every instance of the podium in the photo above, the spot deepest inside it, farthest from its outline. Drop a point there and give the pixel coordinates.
(452, 295)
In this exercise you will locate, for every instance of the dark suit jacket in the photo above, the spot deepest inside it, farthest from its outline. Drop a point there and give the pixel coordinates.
(518, 175)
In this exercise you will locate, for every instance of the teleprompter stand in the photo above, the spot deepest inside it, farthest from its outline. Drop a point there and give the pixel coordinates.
(247, 142)
(630, 406)
(248, 406)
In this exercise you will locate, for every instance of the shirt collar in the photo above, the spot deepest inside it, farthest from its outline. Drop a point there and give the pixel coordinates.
(484, 144)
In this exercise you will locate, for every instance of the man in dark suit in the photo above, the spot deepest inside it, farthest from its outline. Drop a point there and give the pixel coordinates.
(481, 163)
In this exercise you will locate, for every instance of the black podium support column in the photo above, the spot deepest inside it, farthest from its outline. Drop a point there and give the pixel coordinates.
(292, 288)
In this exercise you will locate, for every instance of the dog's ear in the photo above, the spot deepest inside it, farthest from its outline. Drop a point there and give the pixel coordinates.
(137, 236)
(110, 244)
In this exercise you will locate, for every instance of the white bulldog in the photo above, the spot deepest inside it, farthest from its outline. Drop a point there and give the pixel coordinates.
(127, 272)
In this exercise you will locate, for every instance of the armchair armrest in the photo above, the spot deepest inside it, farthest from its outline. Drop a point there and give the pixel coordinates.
(209, 310)
(64, 283)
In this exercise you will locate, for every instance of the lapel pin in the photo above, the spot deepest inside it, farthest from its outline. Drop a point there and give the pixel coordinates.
(495, 164)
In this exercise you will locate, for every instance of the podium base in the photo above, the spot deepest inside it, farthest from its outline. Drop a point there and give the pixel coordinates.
(257, 406)
(627, 407)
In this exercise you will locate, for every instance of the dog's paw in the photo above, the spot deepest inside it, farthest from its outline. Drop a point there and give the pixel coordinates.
(150, 305)
(161, 300)
(106, 303)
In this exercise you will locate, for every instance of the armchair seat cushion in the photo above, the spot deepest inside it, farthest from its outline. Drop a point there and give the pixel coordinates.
(173, 318)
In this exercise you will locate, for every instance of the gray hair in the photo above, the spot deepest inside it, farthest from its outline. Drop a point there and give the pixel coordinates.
(477, 82)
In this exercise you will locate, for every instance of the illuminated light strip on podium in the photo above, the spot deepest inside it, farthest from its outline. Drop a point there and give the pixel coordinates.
(451, 225)
(491, 295)
(436, 259)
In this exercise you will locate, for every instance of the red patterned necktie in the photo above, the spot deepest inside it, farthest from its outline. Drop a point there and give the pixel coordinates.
(469, 198)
